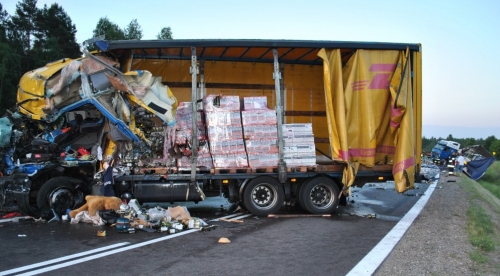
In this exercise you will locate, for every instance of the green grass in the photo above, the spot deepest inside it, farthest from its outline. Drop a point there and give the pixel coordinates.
(481, 228)
(491, 179)
(483, 233)
(478, 257)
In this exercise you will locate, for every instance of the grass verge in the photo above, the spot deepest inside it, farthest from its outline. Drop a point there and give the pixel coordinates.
(491, 179)
(484, 235)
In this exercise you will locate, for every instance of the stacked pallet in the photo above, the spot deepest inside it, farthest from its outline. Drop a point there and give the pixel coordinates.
(299, 149)
(225, 135)
(183, 135)
(260, 132)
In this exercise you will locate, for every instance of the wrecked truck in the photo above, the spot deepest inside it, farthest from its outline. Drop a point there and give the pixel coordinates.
(477, 161)
(362, 101)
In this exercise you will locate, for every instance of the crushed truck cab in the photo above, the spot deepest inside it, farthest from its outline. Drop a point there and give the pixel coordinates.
(263, 123)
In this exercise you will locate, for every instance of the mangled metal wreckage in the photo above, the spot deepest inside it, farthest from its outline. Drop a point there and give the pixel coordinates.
(73, 114)
(67, 108)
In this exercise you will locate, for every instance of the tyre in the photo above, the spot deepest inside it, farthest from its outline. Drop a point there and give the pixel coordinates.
(319, 195)
(263, 196)
(59, 193)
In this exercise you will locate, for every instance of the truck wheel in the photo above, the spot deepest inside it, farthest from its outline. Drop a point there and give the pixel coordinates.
(263, 195)
(60, 194)
(319, 195)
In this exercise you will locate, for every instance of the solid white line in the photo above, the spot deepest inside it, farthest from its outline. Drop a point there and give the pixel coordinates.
(243, 216)
(233, 216)
(23, 268)
(377, 255)
(226, 217)
(70, 263)
(11, 219)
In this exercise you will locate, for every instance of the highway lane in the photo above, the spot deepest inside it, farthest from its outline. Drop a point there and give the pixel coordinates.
(293, 246)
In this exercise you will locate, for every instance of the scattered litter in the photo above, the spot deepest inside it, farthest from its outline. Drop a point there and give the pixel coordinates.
(11, 215)
(21, 235)
(208, 228)
(224, 240)
(231, 220)
(101, 233)
(372, 216)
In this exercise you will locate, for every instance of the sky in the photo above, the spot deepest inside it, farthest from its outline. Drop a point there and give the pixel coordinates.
(459, 41)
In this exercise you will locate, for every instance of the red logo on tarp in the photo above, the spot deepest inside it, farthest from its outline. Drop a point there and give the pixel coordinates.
(379, 81)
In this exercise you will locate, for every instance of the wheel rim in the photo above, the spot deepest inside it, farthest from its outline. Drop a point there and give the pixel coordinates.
(61, 199)
(264, 196)
(322, 196)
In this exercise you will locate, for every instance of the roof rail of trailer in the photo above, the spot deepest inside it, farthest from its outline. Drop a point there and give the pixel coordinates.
(248, 50)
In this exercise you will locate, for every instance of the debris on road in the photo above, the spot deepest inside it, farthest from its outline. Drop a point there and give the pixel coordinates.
(297, 215)
(224, 240)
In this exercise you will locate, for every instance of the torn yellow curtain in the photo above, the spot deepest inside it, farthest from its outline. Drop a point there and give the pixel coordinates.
(361, 113)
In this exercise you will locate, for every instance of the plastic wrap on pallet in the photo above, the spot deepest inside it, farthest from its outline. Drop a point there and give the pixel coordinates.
(258, 117)
(184, 108)
(184, 121)
(299, 161)
(183, 136)
(227, 147)
(294, 128)
(294, 140)
(220, 133)
(300, 149)
(221, 102)
(223, 118)
(263, 160)
(203, 147)
(262, 146)
(255, 103)
(230, 161)
(202, 161)
(260, 132)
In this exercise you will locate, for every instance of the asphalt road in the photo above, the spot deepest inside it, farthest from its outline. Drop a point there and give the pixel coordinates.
(259, 245)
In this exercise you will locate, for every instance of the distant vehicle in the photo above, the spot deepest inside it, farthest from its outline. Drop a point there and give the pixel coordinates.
(478, 160)
(444, 151)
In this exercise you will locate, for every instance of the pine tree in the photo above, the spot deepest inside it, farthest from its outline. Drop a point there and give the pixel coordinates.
(23, 24)
(165, 33)
(133, 30)
(55, 33)
(110, 30)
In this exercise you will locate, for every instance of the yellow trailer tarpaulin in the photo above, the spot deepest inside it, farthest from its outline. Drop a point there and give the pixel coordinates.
(369, 112)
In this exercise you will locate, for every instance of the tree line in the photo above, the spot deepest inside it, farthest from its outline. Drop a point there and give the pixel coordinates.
(491, 143)
(32, 37)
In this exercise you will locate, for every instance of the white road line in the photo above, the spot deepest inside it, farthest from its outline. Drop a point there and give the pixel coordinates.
(233, 216)
(243, 216)
(89, 258)
(226, 217)
(377, 255)
(85, 259)
(11, 219)
(28, 267)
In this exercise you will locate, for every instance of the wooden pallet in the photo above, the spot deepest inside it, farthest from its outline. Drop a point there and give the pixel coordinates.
(302, 169)
(157, 170)
(265, 170)
(230, 170)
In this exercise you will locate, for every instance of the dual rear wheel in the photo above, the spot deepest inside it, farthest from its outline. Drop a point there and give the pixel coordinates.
(264, 195)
